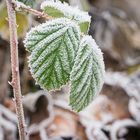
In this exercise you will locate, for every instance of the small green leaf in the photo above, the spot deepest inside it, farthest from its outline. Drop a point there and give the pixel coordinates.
(59, 9)
(53, 46)
(53, 12)
(87, 74)
(84, 27)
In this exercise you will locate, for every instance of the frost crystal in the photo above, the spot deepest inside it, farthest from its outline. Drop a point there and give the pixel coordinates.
(68, 11)
(87, 75)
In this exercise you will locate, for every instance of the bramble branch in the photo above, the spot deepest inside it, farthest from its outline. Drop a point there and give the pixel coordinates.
(21, 6)
(15, 69)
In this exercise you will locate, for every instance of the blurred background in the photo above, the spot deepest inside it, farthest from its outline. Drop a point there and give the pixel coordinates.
(114, 114)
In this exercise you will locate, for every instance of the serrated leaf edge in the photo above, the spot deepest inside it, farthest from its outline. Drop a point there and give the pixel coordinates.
(29, 57)
(88, 40)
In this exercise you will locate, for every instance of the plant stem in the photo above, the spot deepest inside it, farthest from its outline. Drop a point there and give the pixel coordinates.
(23, 7)
(15, 69)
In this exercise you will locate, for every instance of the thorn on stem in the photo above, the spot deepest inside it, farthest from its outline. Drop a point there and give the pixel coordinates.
(11, 83)
(13, 99)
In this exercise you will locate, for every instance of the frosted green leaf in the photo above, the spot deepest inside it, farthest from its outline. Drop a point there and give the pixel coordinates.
(87, 75)
(59, 9)
(53, 46)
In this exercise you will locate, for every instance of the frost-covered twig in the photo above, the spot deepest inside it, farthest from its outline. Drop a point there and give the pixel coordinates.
(43, 134)
(15, 69)
(10, 115)
(8, 122)
(23, 7)
(134, 108)
(120, 128)
(1, 134)
(30, 102)
(9, 127)
(94, 131)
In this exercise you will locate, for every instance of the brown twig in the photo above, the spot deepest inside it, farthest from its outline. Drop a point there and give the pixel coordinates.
(15, 69)
(23, 7)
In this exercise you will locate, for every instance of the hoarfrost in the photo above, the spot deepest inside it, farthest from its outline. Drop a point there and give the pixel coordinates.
(10, 115)
(134, 108)
(87, 74)
(68, 11)
(53, 47)
(29, 102)
(8, 122)
(43, 134)
(94, 131)
(1, 134)
(119, 128)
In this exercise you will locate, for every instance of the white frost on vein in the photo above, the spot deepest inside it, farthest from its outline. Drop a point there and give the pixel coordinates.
(68, 11)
